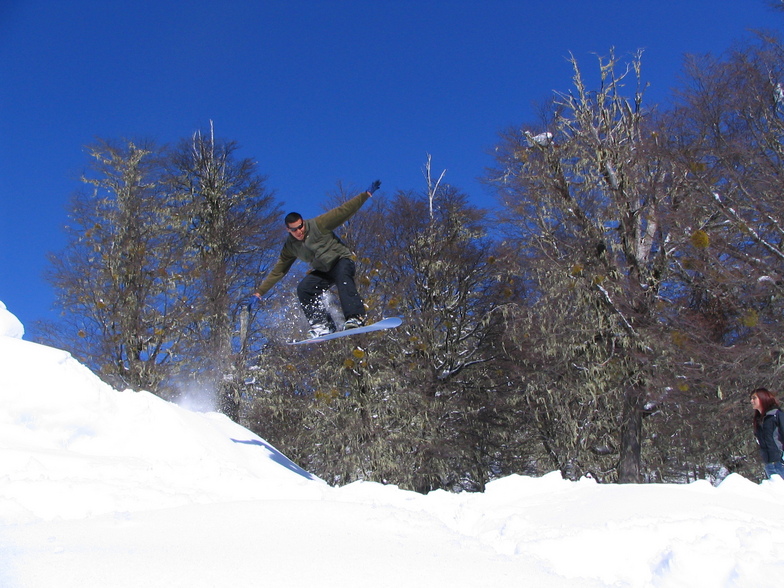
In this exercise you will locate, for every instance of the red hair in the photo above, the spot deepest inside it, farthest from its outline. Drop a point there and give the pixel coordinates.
(767, 402)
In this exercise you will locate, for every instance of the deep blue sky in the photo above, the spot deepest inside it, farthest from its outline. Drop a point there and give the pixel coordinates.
(318, 92)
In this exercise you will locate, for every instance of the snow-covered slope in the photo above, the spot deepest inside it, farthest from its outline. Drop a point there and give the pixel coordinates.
(97, 450)
(100, 487)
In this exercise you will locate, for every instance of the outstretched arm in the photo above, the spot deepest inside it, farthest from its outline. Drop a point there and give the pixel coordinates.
(329, 221)
(282, 267)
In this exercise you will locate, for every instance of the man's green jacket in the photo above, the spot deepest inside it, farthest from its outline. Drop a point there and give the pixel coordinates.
(321, 248)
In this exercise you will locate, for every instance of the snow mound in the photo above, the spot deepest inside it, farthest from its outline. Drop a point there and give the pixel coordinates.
(10, 326)
(128, 450)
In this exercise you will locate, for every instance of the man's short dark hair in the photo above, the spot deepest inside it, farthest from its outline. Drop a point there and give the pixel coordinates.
(292, 217)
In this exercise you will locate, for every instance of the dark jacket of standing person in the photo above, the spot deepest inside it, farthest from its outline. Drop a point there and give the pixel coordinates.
(768, 426)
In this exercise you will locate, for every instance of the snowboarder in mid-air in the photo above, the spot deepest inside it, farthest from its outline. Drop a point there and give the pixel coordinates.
(314, 241)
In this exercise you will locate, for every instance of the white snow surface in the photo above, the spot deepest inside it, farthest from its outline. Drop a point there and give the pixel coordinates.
(10, 326)
(106, 488)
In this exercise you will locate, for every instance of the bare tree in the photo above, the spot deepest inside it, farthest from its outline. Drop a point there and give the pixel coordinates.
(112, 277)
(223, 215)
(163, 256)
(728, 126)
(589, 198)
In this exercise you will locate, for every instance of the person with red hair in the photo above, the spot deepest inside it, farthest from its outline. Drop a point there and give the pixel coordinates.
(769, 430)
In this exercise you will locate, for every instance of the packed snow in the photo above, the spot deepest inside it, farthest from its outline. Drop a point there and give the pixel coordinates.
(106, 488)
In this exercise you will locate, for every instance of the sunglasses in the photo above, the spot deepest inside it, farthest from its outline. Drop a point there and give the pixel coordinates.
(295, 229)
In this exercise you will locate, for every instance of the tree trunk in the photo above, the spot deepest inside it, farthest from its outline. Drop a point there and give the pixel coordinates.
(228, 401)
(631, 434)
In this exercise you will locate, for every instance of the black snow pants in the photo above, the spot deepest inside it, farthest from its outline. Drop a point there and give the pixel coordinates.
(313, 285)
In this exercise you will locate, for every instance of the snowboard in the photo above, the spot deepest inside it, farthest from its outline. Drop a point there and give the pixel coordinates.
(387, 323)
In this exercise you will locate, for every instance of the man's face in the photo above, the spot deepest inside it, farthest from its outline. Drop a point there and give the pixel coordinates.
(297, 229)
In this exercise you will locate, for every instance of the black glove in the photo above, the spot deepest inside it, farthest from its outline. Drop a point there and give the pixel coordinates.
(374, 186)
